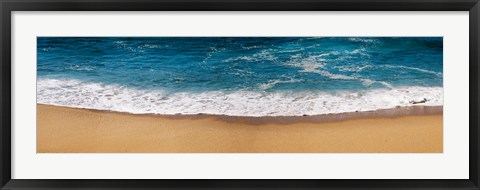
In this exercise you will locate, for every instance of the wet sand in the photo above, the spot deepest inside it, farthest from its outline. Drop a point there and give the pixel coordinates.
(414, 129)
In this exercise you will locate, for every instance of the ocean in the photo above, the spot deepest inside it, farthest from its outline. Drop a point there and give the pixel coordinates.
(240, 76)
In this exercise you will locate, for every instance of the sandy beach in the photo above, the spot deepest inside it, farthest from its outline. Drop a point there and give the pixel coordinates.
(403, 130)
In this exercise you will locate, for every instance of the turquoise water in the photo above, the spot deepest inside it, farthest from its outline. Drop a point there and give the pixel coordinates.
(252, 76)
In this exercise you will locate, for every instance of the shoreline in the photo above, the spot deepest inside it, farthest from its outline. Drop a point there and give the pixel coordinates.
(328, 117)
(78, 130)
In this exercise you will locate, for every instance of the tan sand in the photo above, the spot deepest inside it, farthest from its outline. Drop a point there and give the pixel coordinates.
(71, 130)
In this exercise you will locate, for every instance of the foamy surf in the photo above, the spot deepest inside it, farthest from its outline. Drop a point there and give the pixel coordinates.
(81, 94)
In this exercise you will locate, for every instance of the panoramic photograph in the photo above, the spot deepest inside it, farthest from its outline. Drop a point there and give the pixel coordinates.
(239, 95)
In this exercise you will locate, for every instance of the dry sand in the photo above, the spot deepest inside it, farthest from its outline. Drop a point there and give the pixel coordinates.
(72, 130)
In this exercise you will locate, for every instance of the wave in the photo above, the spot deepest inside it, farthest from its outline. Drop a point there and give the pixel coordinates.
(81, 94)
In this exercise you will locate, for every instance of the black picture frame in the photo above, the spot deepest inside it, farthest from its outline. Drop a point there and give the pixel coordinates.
(7, 6)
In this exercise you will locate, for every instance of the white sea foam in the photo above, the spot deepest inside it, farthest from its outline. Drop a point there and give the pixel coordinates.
(353, 68)
(291, 50)
(439, 74)
(365, 40)
(80, 68)
(315, 64)
(253, 47)
(149, 46)
(264, 55)
(75, 93)
(272, 83)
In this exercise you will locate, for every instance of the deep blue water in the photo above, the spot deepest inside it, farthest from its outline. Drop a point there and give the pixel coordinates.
(193, 65)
